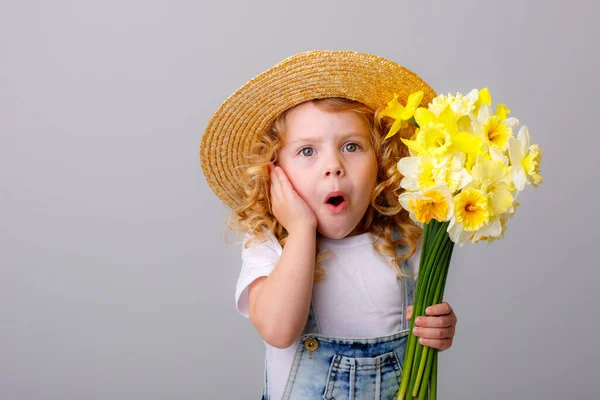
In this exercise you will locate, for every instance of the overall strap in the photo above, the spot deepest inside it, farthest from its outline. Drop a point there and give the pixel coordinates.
(408, 282)
(408, 289)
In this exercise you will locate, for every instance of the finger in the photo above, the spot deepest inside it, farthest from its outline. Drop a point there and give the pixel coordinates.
(440, 344)
(409, 310)
(444, 321)
(283, 180)
(444, 311)
(433, 333)
(439, 309)
(275, 183)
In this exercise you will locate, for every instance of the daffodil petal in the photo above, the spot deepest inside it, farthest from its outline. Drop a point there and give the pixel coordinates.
(515, 152)
(484, 97)
(448, 118)
(493, 229)
(457, 234)
(394, 109)
(519, 177)
(500, 201)
(502, 111)
(524, 137)
(467, 143)
(409, 166)
(423, 116)
(413, 145)
(394, 129)
(472, 96)
(496, 154)
(406, 197)
(484, 113)
(464, 179)
(412, 103)
(511, 122)
(409, 183)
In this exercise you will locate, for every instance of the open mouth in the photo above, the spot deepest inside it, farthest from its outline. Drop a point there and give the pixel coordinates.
(336, 202)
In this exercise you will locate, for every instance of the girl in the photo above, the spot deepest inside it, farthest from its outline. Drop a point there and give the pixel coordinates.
(328, 253)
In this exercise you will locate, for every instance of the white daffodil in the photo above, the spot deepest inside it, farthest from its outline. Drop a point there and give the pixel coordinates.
(423, 206)
(461, 105)
(525, 160)
(494, 178)
(426, 172)
(492, 229)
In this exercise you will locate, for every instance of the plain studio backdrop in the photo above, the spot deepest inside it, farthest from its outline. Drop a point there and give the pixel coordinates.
(116, 281)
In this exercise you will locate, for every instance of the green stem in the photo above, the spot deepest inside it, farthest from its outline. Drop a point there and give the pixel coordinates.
(433, 388)
(410, 345)
(433, 295)
(447, 269)
(424, 288)
(429, 280)
(449, 246)
(425, 386)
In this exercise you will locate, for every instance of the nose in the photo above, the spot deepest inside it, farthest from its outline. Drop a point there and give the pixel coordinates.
(334, 171)
(334, 168)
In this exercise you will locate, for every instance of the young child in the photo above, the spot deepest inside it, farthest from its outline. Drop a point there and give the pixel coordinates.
(298, 154)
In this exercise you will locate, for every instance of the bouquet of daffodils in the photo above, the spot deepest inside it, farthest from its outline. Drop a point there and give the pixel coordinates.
(461, 181)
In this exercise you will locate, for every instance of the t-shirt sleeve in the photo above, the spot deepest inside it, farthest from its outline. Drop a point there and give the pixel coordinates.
(257, 260)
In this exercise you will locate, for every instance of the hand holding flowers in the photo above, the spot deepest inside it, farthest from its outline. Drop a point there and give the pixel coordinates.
(437, 329)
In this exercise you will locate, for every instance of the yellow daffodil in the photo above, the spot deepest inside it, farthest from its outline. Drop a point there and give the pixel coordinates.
(471, 209)
(483, 97)
(470, 215)
(502, 111)
(439, 135)
(426, 172)
(494, 178)
(494, 130)
(423, 206)
(401, 113)
(525, 160)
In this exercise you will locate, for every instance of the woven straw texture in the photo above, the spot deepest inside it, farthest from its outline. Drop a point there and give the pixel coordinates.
(239, 121)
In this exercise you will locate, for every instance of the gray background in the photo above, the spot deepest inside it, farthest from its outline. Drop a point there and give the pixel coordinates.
(115, 278)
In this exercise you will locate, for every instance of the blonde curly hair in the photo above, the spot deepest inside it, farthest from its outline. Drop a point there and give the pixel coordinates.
(384, 213)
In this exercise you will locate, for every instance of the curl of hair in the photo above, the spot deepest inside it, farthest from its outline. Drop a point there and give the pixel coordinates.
(384, 218)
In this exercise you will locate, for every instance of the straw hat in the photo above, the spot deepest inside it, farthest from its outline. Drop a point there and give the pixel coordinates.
(239, 121)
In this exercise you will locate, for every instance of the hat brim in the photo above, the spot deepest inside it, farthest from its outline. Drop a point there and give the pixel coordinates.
(239, 121)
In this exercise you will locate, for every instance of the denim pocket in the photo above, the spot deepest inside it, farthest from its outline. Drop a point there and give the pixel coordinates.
(363, 378)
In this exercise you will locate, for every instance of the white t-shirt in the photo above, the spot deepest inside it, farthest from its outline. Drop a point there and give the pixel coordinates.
(359, 297)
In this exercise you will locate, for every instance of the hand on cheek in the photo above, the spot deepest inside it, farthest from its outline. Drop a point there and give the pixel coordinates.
(437, 329)
(288, 207)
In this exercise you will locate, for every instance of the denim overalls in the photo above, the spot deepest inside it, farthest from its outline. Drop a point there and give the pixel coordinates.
(346, 368)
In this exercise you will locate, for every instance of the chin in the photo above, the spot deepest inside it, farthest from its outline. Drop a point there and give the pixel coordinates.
(336, 232)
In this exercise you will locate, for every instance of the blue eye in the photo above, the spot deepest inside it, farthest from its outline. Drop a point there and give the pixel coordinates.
(351, 147)
(307, 151)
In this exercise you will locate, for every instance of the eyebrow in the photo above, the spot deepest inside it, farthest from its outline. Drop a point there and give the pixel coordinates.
(318, 139)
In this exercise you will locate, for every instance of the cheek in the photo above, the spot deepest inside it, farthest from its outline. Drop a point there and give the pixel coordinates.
(298, 178)
(370, 177)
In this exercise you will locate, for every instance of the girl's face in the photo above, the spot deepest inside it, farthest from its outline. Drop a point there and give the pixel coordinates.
(328, 158)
